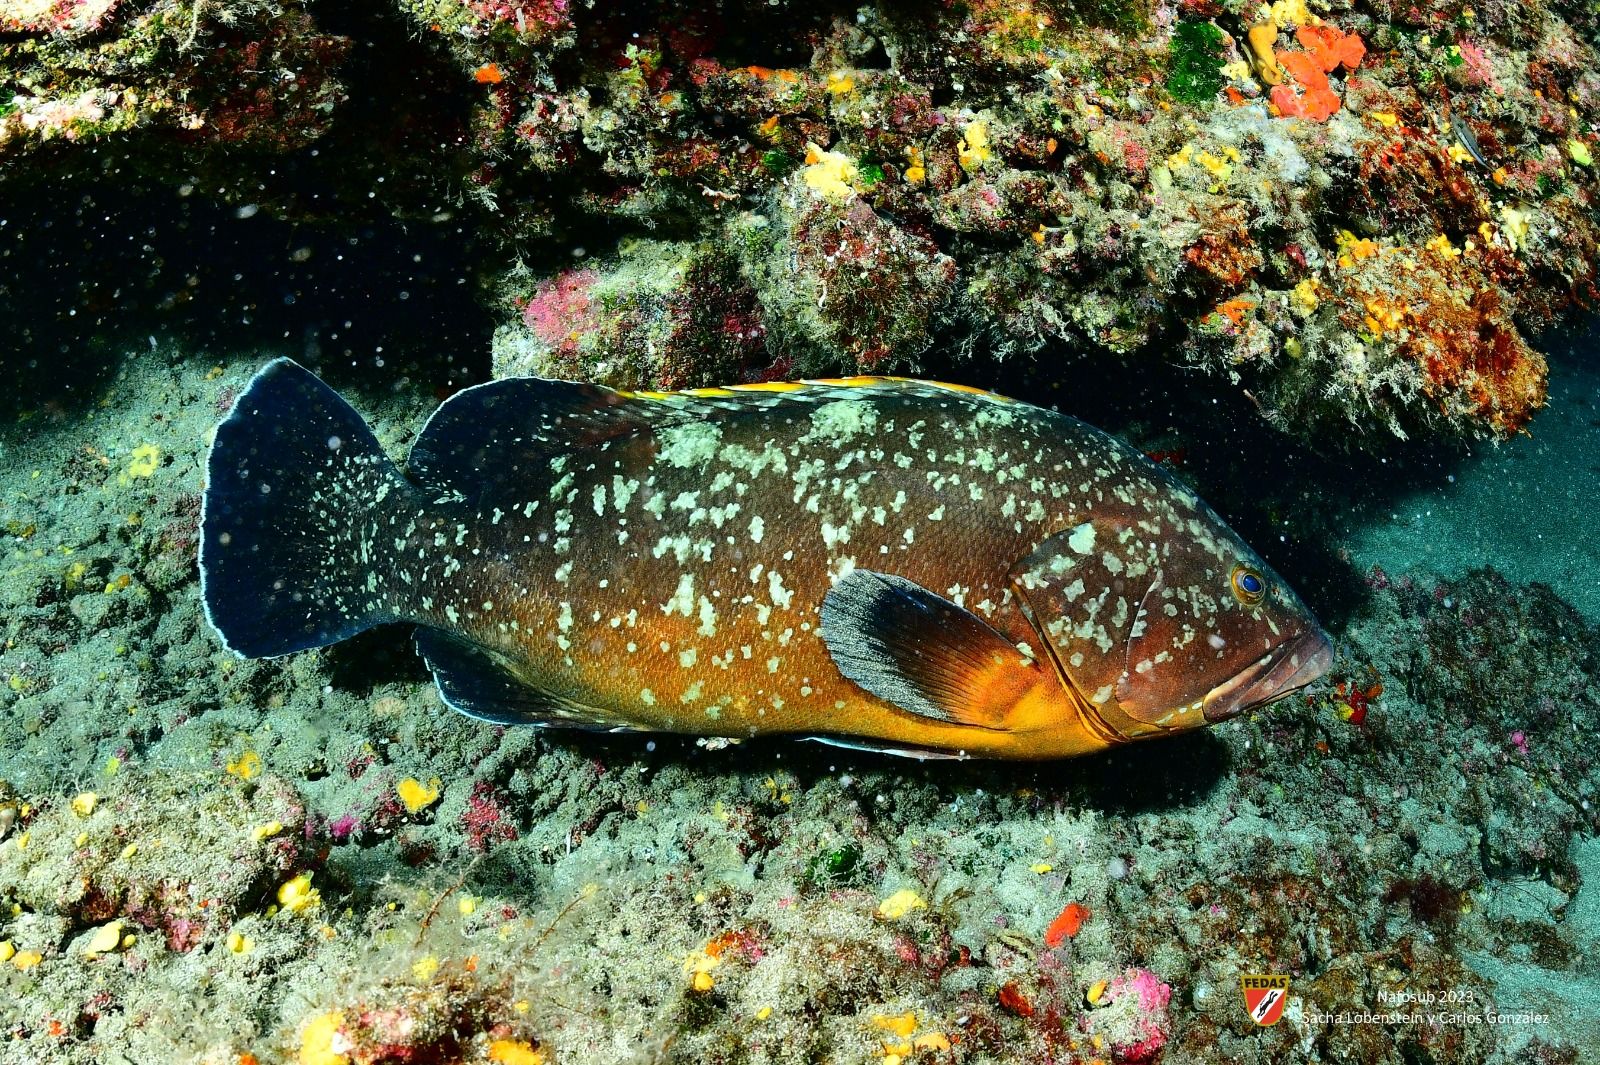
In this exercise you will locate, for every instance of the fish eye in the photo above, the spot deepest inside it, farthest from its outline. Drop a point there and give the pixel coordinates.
(1249, 587)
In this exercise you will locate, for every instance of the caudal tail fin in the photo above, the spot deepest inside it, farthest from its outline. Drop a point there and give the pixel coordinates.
(298, 501)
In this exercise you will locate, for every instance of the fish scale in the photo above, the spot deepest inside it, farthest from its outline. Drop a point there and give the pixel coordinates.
(737, 572)
(920, 568)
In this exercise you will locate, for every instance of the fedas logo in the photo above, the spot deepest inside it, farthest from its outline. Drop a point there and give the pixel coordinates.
(1264, 997)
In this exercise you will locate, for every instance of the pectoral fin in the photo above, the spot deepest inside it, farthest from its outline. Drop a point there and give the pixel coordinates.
(922, 653)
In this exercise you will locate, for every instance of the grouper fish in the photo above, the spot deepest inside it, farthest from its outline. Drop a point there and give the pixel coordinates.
(918, 568)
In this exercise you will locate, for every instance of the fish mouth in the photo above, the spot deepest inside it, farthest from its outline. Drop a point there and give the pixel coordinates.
(1287, 668)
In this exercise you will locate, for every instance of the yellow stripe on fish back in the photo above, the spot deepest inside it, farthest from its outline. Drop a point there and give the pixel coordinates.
(819, 384)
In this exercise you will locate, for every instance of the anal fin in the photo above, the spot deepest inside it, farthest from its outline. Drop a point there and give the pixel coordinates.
(477, 682)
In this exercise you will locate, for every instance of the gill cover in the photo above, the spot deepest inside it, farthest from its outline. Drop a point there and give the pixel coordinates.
(1196, 633)
(1157, 632)
(1082, 590)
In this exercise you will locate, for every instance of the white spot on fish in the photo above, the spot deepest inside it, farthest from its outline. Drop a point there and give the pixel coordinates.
(841, 420)
(622, 491)
(682, 601)
(690, 444)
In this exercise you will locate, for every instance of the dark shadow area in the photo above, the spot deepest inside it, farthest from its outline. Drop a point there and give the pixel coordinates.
(358, 254)
(1160, 775)
(384, 655)
(108, 269)
(1173, 773)
(734, 38)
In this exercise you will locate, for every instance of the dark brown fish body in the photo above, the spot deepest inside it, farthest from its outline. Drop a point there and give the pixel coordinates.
(910, 566)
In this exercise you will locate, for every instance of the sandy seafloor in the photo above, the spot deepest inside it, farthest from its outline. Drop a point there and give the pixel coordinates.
(574, 900)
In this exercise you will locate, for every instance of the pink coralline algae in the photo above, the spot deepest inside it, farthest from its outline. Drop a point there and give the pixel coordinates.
(659, 316)
(1145, 1031)
(342, 828)
(63, 16)
(530, 18)
(559, 310)
(1478, 68)
(484, 822)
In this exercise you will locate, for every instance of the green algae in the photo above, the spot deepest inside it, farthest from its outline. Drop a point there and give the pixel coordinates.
(1195, 58)
(836, 866)
(778, 163)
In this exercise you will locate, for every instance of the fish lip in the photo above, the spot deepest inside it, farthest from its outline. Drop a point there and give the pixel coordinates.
(1291, 666)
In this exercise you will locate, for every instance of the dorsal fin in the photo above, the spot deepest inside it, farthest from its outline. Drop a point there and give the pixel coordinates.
(505, 431)
(510, 429)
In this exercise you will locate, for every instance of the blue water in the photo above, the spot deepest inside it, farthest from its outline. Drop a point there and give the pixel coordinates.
(1527, 507)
